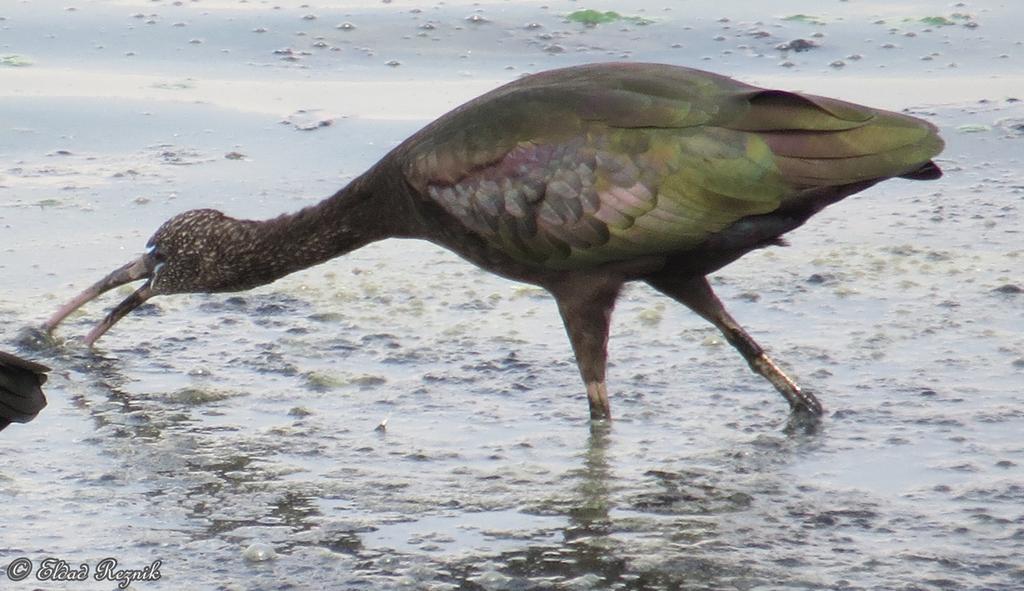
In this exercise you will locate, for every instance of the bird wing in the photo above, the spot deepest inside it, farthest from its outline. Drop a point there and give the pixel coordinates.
(582, 166)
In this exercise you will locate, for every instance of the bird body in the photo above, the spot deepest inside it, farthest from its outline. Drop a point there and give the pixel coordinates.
(577, 180)
(21, 397)
(574, 168)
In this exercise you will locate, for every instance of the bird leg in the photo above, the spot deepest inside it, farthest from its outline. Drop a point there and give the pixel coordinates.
(586, 306)
(696, 294)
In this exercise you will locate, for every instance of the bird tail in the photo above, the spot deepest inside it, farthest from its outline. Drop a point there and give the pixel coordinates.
(929, 171)
(823, 142)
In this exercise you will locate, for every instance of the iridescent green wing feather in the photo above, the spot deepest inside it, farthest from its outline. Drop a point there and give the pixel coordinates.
(583, 166)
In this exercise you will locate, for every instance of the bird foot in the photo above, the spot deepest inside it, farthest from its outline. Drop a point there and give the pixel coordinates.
(600, 408)
(800, 402)
(802, 422)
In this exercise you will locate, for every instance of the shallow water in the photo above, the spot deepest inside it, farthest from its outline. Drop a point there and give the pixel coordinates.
(208, 432)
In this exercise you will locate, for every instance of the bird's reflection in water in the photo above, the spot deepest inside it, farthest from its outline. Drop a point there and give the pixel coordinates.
(586, 546)
(662, 530)
(595, 546)
(590, 516)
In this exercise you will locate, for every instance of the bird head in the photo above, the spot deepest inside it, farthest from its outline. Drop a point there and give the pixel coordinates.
(187, 254)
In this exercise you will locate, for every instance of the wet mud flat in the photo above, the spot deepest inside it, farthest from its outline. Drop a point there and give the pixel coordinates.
(232, 437)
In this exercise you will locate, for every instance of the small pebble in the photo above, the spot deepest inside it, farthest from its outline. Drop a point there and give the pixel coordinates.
(797, 45)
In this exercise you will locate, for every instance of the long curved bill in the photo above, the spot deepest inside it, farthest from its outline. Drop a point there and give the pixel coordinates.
(141, 268)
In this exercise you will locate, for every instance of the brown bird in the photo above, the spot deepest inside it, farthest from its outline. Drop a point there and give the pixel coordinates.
(21, 397)
(577, 180)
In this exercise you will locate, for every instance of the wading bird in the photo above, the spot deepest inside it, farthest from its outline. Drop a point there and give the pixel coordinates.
(21, 397)
(577, 180)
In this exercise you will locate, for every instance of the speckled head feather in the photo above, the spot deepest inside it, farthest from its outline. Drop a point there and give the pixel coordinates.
(192, 252)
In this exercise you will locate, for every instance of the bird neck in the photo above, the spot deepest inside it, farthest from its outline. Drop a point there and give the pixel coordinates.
(350, 219)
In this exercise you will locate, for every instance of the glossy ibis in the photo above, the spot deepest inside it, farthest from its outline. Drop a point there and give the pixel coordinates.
(577, 180)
